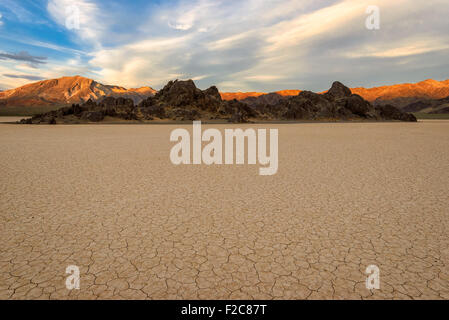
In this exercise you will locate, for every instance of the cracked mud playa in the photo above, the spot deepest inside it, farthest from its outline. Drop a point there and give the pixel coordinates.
(107, 199)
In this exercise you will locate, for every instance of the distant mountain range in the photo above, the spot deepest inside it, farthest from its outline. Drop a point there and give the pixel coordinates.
(68, 90)
(429, 96)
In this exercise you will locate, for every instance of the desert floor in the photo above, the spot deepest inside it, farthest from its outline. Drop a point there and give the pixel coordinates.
(107, 199)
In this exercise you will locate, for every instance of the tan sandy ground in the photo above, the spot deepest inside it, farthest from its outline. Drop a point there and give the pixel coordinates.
(108, 199)
(10, 119)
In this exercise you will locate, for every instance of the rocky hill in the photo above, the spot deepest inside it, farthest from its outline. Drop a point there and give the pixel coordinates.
(67, 91)
(432, 106)
(183, 101)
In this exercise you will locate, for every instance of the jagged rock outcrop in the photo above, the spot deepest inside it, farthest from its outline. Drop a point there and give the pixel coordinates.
(338, 91)
(423, 97)
(337, 103)
(183, 101)
(186, 95)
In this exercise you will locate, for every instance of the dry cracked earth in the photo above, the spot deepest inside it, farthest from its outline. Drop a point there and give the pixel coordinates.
(106, 198)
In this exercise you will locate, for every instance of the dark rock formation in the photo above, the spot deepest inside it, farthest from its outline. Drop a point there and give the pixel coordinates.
(388, 112)
(185, 94)
(337, 103)
(183, 101)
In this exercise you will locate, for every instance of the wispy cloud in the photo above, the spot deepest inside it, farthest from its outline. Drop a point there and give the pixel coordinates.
(23, 76)
(16, 9)
(42, 44)
(32, 61)
(400, 49)
(187, 16)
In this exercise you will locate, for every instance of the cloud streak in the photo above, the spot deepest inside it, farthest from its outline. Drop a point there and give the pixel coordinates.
(24, 76)
(32, 61)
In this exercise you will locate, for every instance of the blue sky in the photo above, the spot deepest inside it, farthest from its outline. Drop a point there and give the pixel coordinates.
(244, 45)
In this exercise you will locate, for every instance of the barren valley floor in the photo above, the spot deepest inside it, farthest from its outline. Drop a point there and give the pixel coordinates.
(107, 199)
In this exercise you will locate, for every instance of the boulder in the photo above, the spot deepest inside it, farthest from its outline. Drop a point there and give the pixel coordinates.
(92, 116)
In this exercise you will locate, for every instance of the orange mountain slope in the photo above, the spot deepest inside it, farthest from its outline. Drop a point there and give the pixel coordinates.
(430, 89)
(68, 90)
(239, 95)
(244, 95)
